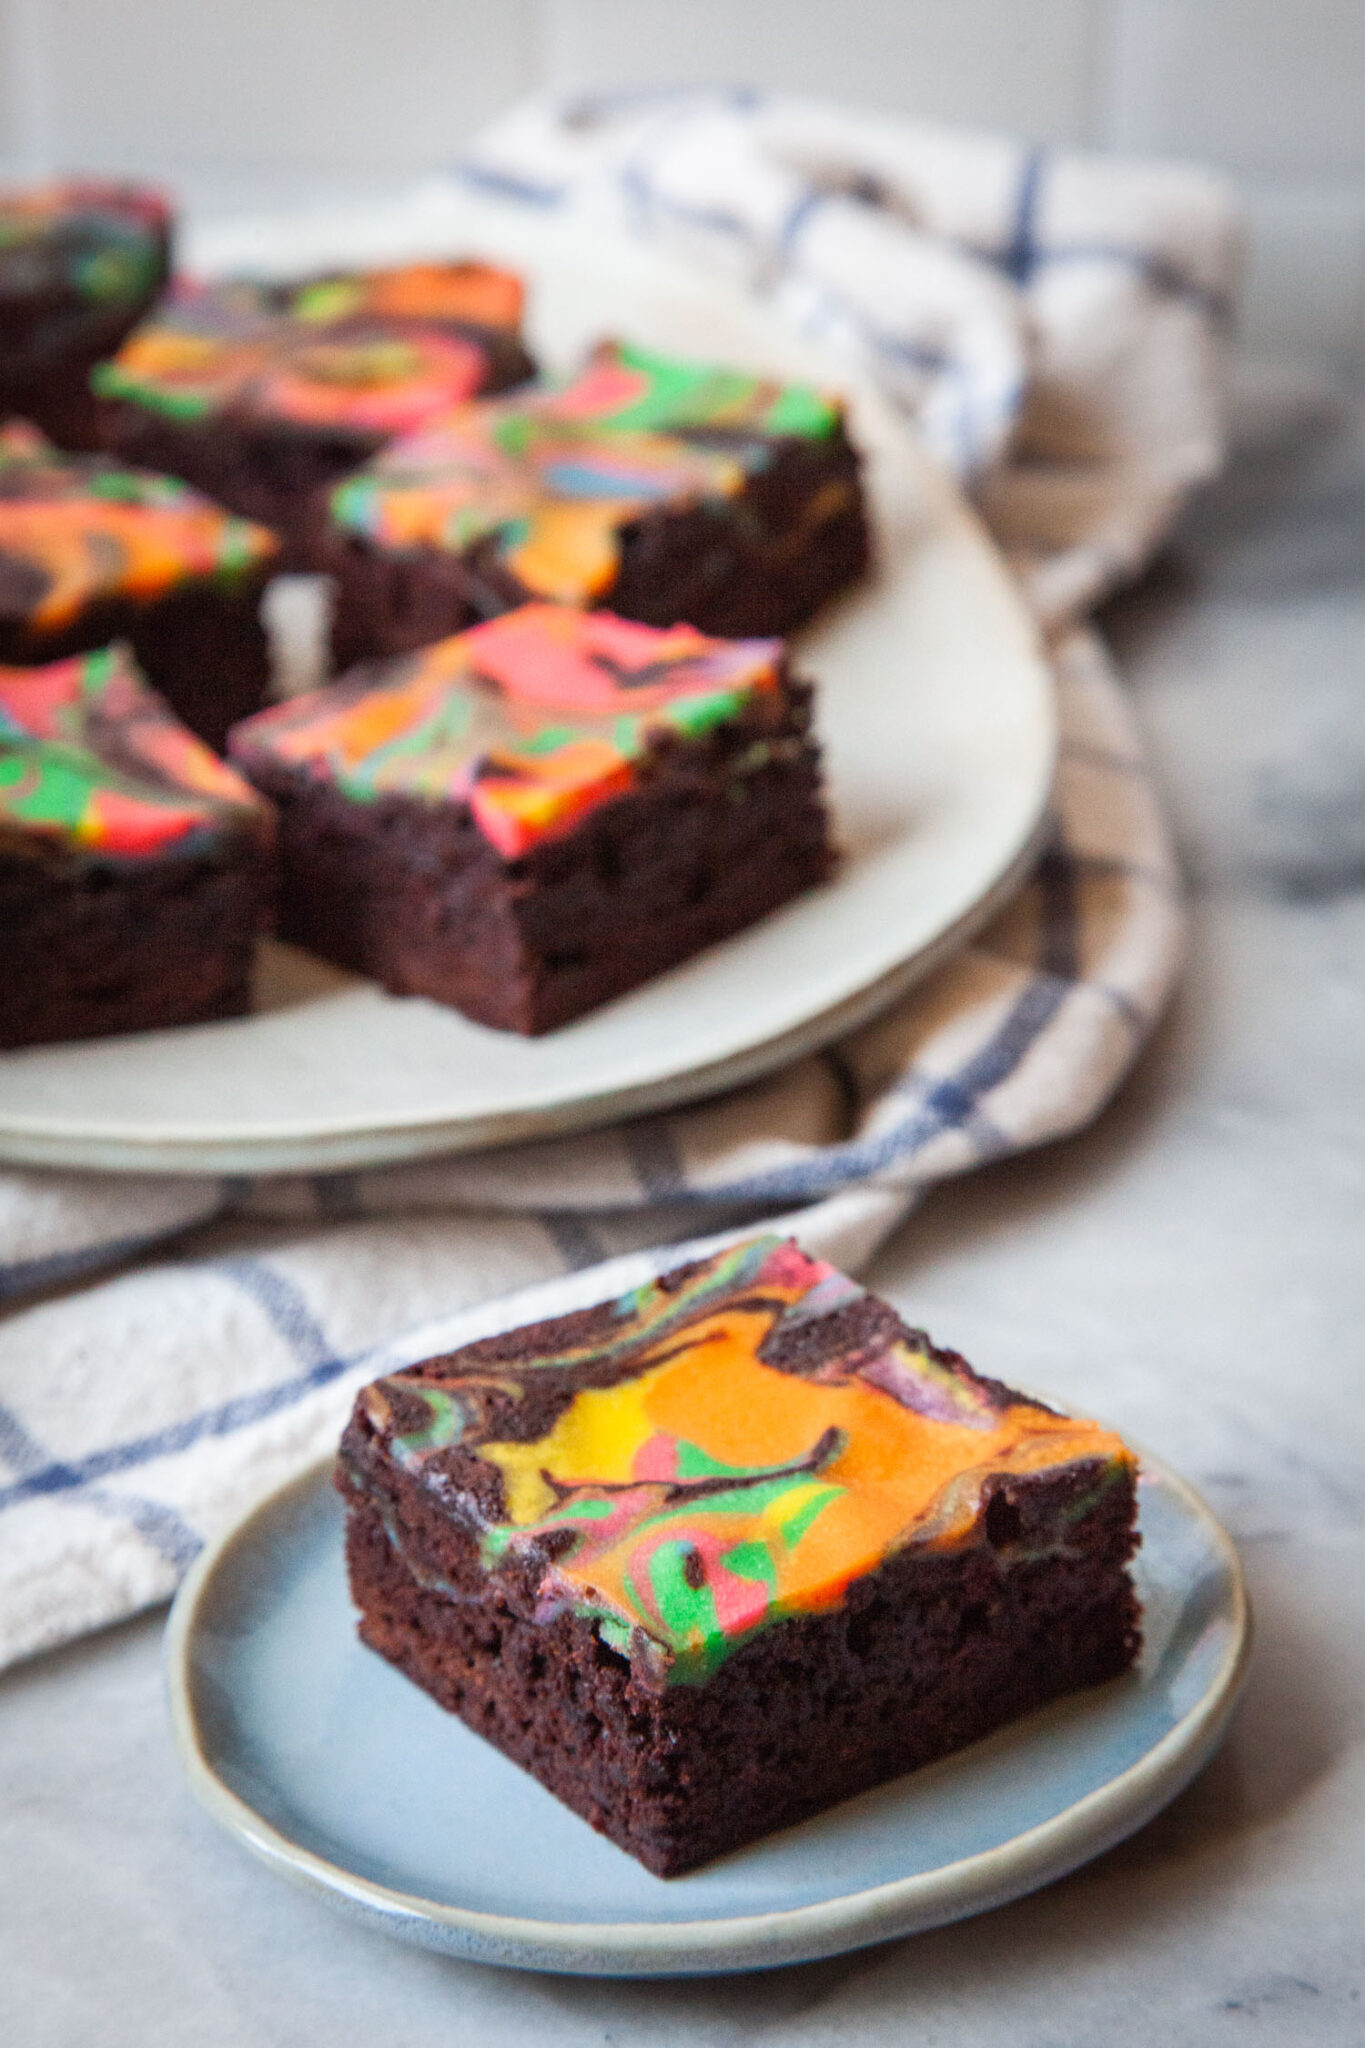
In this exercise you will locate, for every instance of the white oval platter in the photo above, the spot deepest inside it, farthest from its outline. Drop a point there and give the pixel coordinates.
(346, 1779)
(935, 712)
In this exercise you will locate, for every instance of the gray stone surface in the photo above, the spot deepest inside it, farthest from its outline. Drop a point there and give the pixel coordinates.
(1191, 1269)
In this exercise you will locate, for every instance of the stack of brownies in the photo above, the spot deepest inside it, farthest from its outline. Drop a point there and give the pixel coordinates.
(566, 750)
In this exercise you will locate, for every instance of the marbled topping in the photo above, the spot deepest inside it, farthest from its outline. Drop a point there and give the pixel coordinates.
(637, 390)
(372, 352)
(473, 293)
(549, 499)
(366, 380)
(78, 528)
(196, 354)
(93, 761)
(549, 478)
(533, 719)
(101, 244)
(689, 1490)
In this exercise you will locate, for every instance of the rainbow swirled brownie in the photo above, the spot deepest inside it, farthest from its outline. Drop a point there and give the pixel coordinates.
(662, 489)
(265, 394)
(529, 818)
(80, 262)
(134, 864)
(91, 551)
(714, 1556)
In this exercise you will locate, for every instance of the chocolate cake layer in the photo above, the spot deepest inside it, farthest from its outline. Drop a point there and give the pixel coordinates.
(664, 491)
(711, 1558)
(135, 867)
(109, 946)
(551, 861)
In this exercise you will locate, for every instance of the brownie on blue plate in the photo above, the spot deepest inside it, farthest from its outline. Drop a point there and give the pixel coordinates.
(706, 1559)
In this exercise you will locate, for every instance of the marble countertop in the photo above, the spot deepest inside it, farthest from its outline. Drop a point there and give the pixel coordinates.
(1191, 1268)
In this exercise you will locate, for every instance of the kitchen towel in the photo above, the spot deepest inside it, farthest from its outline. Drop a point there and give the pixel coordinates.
(172, 1347)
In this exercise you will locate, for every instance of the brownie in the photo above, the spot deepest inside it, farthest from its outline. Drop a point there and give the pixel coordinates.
(532, 817)
(265, 394)
(666, 491)
(135, 866)
(711, 1558)
(80, 263)
(92, 552)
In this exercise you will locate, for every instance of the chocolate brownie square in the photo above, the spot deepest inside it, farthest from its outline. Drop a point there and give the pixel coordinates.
(712, 1557)
(80, 263)
(665, 491)
(135, 866)
(265, 394)
(532, 817)
(91, 552)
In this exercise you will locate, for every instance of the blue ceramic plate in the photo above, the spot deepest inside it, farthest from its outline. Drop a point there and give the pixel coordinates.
(344, 1777)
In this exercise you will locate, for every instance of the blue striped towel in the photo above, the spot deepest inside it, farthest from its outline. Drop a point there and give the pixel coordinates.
(172, 1347)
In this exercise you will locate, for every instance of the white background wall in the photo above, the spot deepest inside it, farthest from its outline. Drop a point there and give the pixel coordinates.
(237, 101)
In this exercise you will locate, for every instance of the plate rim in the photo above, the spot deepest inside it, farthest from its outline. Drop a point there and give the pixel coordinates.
(973, 1884)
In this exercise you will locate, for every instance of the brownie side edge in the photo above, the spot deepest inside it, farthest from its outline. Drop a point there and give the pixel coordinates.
(928, 1653)
(99, 947)
(745, 567)
(412, 895)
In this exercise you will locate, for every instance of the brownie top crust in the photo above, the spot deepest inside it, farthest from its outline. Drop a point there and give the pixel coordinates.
(531, 720)
(370, 353)
(78, 243)
(93, 762)
(550, 476)
(75, 529)
(730, 1445)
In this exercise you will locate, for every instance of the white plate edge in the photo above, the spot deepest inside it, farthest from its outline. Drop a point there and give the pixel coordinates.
(361, 1145)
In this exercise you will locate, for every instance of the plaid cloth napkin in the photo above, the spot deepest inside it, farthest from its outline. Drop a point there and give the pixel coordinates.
(172, 1347)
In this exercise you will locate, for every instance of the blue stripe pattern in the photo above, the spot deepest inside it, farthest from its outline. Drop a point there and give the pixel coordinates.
(167, 1533)
(284, 1308)
(32, 1276)
(953, 1103)
(63, 1476)
(1162, 276)
(502, 185)
(1019, 258)
(573, 1237)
